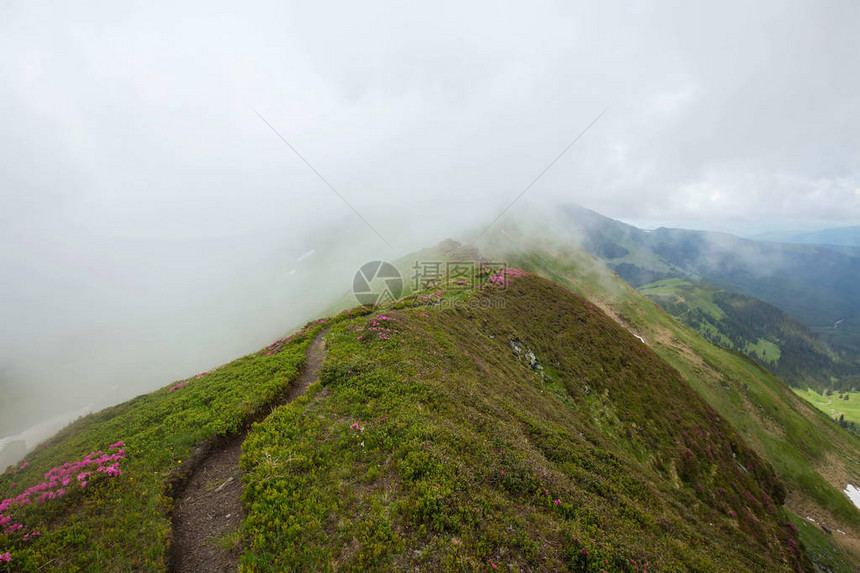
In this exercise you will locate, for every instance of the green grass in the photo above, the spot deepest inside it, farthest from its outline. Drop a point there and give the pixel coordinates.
(122, 523)
(758, 404)
(835, 404)
(820, 547)
(798, 440)
(761, 331)
(230, 541)
(764, 350)
(680, 297)
(693, 295)
(434, 447)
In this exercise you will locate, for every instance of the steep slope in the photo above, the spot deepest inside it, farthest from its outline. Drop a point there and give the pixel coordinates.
(761, 331)
(98, 496)
(814, 457)
(512, 425)
(517, 428)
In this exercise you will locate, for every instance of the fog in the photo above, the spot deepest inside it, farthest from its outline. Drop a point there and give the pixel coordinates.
(152, 225)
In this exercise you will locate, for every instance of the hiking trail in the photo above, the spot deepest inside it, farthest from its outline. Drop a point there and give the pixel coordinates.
(208, 511)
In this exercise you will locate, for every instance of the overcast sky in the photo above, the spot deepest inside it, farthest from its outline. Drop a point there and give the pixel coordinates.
(152, 225)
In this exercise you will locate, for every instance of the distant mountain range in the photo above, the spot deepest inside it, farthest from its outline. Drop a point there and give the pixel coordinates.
(816, 285)
(845, 236)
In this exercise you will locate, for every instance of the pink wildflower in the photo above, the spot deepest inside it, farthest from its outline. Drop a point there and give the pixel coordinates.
(5, 557)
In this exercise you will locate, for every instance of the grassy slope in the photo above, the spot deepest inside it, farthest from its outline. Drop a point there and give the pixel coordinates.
(757, 329)
(675, 287)
(678, 296)
(812, 454)
(429, 445)
(833, 405)
(431, 475)
(123, 523)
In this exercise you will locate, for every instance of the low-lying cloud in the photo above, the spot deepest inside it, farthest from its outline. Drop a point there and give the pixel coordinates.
(153, 226)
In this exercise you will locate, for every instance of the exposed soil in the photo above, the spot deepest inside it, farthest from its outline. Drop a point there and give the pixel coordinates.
(807, 508)
(208, 509)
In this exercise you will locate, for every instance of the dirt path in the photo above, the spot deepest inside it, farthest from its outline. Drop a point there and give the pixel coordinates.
(208, 510)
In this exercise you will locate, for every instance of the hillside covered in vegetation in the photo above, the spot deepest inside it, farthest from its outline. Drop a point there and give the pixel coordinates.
(508, 426)
(812, 455)
(815, 284)
(760, 330)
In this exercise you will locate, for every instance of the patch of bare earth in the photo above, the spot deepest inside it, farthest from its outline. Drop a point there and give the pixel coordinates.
(208, 511)
(810, 510)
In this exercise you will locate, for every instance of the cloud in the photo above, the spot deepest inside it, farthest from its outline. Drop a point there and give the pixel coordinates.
(151, 221)
(305, 256)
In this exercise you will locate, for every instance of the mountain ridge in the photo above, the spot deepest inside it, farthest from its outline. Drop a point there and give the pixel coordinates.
(838, 236)
(510, 423)
(415, 412)
(815, 285)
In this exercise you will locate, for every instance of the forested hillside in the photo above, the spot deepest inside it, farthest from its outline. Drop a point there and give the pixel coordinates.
(760, 330)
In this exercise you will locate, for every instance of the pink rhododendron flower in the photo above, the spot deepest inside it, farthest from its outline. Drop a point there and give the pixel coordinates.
(58, 479)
